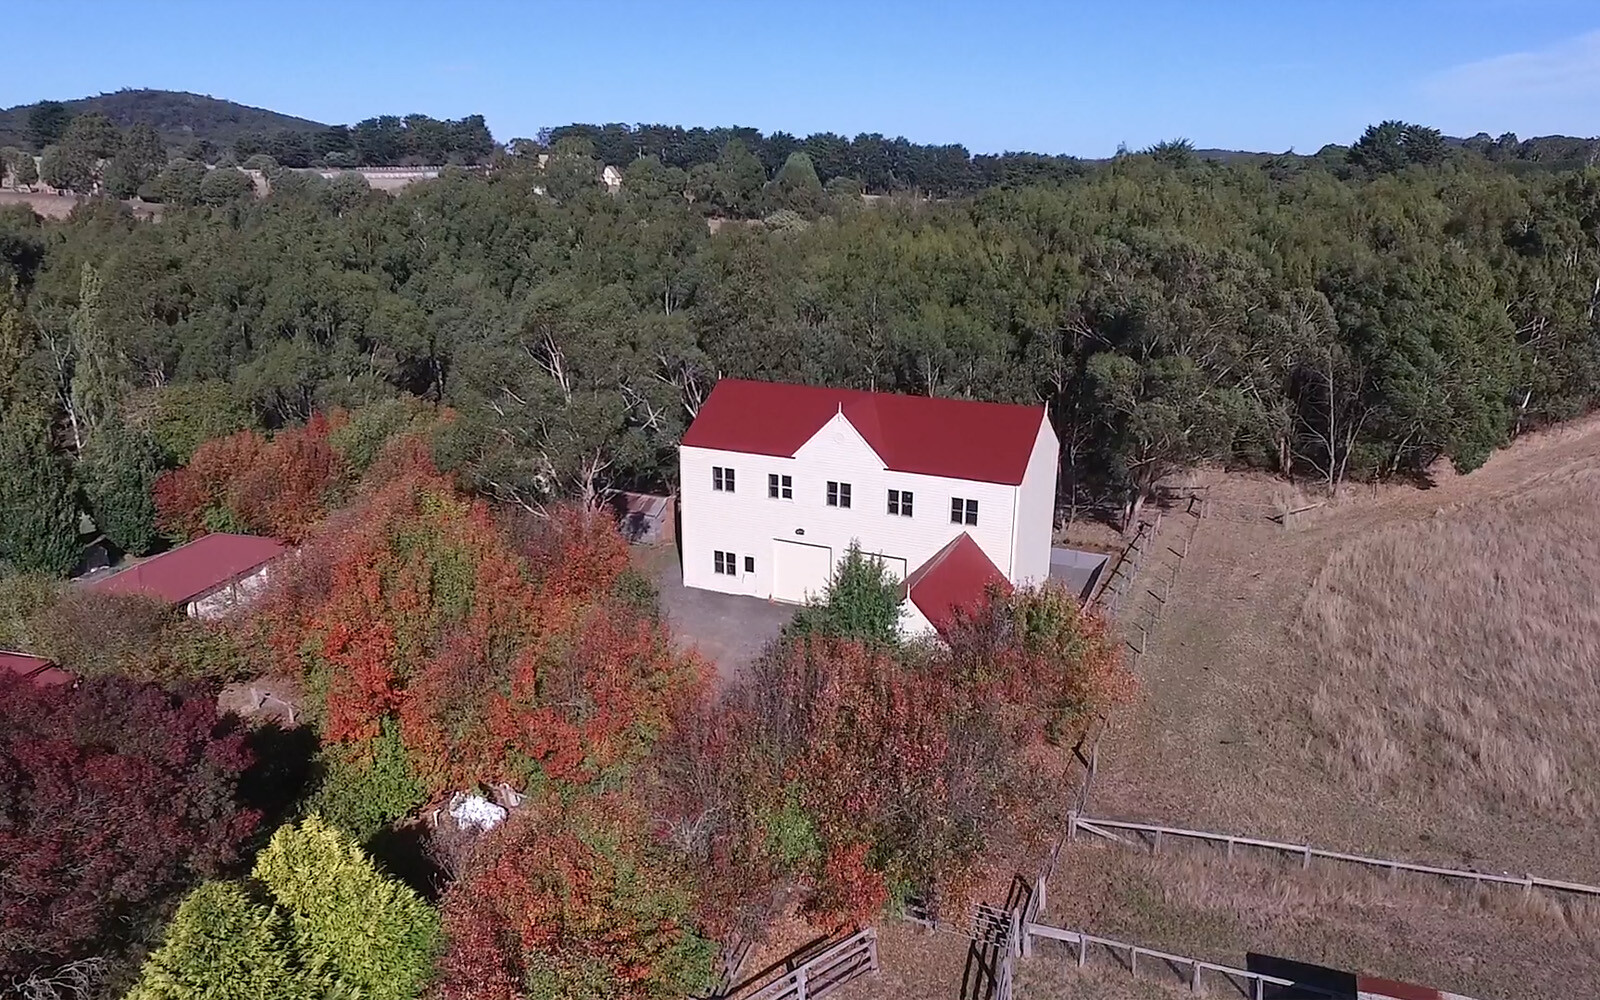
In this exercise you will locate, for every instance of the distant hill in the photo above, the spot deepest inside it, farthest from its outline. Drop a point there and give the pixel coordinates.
(180, 117)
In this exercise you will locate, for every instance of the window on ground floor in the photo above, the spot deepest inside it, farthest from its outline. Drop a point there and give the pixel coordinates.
(725, 563)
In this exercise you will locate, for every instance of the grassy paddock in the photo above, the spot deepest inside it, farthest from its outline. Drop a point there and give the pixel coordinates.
(1460, 657)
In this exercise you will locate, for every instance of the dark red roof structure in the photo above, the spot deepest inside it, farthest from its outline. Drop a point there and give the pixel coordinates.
(955, 577)
(34, 669)
(956, 438)
(194, 569)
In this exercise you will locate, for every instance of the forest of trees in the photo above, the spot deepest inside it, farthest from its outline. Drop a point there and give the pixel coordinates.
(1412, 305)
(207, 130)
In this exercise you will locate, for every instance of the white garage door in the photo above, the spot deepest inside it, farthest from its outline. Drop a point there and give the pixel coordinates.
(799, 571)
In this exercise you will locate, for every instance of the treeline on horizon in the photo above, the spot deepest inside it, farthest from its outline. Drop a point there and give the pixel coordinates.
(1348, 321)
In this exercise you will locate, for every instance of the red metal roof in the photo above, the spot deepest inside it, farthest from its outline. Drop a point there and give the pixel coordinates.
(956, 438)
(1379, 987)
(955, 577)
(188, 571)
(36, 669)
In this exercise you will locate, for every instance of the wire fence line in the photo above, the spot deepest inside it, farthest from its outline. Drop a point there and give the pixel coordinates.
(1154, 833)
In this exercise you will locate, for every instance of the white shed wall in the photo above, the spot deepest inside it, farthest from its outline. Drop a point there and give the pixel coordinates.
(225, 598)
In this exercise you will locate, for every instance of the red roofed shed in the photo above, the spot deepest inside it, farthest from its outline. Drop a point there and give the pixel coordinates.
(955, 438)
(207, 574)
(957, 577)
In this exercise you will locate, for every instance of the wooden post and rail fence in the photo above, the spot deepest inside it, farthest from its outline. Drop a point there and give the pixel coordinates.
(1305, 852)
(815, 977)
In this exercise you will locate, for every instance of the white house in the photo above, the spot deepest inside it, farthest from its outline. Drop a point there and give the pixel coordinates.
(776, 482)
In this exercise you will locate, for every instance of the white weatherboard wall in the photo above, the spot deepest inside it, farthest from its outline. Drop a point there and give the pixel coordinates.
(1036, 511)
(749, 523)
(224, 599)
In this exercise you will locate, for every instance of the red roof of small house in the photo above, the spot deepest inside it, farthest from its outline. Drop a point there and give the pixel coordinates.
(36, 669)
(193, 569)
(957, 576)
(955, 438)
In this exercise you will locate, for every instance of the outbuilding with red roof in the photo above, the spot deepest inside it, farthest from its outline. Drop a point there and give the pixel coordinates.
(777, 481)
(206, 577)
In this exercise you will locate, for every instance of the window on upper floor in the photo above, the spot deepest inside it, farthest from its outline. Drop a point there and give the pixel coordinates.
(900, 502)
(963, 511)
(725, 563)
(722, 479)
(838, 494)
(780, 487)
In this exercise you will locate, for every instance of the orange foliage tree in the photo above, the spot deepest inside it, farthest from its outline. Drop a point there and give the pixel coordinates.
(249, 483)
(869, 773)
(415, 604)
(571, 901)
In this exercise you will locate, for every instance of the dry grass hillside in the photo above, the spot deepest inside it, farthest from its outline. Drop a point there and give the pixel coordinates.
(1412, 673)
(1459, 658)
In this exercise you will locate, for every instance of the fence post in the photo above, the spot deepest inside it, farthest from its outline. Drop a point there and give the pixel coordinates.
(872, 950)
(1194, 980)
(1072, 826)
(1306, 860)
(1019, 939)
(1083, 950)
(1038, 888)
(800, 983)
(1260, 990)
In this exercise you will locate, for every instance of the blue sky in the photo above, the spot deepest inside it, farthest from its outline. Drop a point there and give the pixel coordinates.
(1054, 77)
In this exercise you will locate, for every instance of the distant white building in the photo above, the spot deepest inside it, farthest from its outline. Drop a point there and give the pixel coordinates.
(612, 178)
(777, 481)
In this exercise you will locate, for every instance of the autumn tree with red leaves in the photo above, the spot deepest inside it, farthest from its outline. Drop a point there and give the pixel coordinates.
(249, 483)
(114, 797)
(572, 901)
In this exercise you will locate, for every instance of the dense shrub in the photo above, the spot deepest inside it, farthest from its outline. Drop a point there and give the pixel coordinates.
(571, 903)
(113, 797)
(318, 921)
(98, 634)
(365, 788)
(222, 945)
(21, 596)
(373, 933)
(861, 602)
(248, 483)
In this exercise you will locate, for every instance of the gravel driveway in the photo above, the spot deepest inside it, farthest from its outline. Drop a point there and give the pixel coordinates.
(728, 630)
